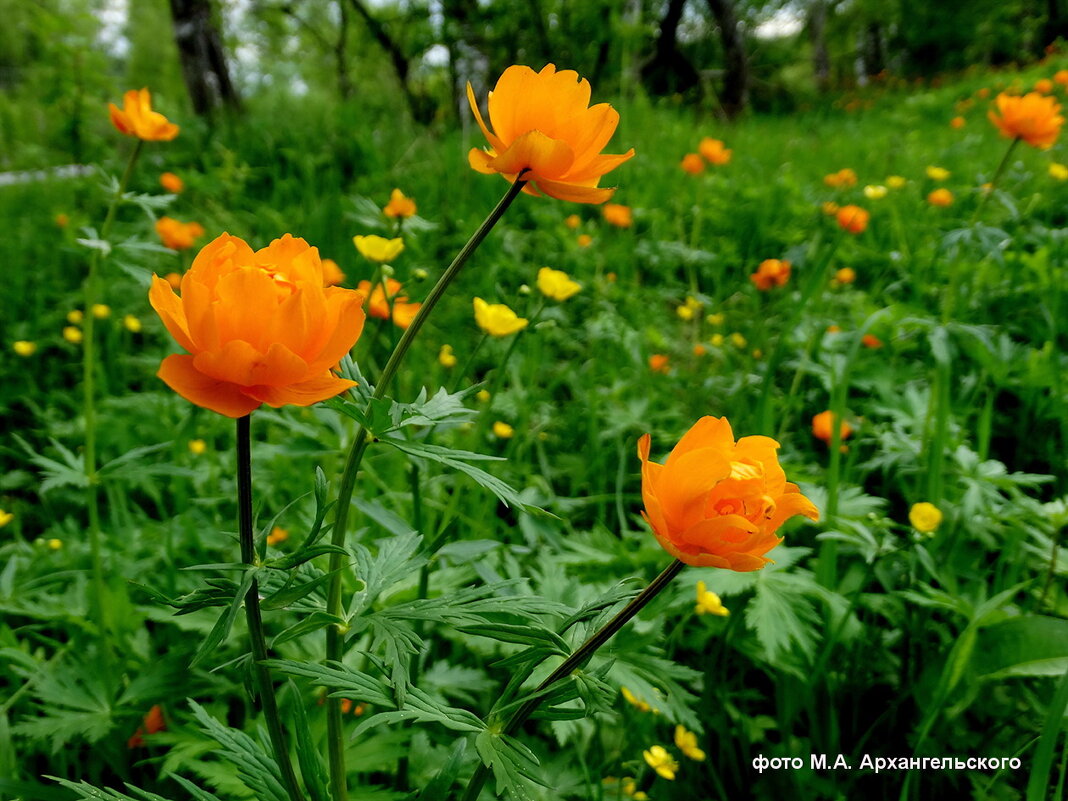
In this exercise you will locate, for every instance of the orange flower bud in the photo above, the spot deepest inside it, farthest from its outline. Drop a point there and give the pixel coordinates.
(770, 273)
(822, 427)
(259, 327)
(399, 205)
(178, 235)
(716, 502)
(692, 163)
(171, 182)
(618, 215)
(378, 304)
(545, 128)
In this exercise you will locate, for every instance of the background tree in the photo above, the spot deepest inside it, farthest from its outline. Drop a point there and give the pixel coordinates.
(200, 48)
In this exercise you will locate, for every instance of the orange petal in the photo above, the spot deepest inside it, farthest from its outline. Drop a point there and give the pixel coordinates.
(347, 329)
(480, 160)
(536, 152)
(576, 194)
(600, 165)
(180, 375)
(303, 394)
(240, 363)
(169, 308)
(494, 142)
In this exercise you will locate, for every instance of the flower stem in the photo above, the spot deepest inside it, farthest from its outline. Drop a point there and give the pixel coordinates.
(261, 674)
(103, 613)
(997, 176)
(576, 660)
(335, 741)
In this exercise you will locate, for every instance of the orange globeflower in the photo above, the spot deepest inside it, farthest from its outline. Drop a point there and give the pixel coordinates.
(853, 219)
(1034, 118)
(259, 327)
(714, 151)
(871, 341)
(378, 303)
(1044, 86)
(332, 274)
(171, 182)
(152, 724)
(716, 502)
(957, 122)
(545, 128)
(822, 427)
(659, 363)
(138, 119)
(771, 272)
(618, 215)
(399, 205)
(940, 197)
(178, 235)
(692, 163)
(1061, 77)
(845, 177)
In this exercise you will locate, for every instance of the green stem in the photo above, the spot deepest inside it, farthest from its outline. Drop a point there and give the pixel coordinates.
(997, 176)
(261, 675)
(334, 634)
(576, 660)
(89, 404)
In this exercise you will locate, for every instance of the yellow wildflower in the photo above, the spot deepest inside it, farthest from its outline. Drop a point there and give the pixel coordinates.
(689, 309)
(132, 324)
(1058, 171)
(73, 335)
(502, 430)
(197, 446)
(925, 517)
(55, 544)
(556, 284)
(483, 395)
(101, 311)
(717, 340)
(24, 347)
(634, 700)
(661, 761)
(75, 316)
(937, 173)
(496, 319)
(5, 518)
(896, 181)
(708, 602)
(378, 248)
(875, 192)
(738, 340)
(715, 319)
(446, 356)
(686, 741)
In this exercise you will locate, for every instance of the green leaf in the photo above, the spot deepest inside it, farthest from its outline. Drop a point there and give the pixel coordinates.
(1023, 646)
(225, 622)
(513, 765)
(313, 622)
(335, 676)
(255, 766)
(309, 759)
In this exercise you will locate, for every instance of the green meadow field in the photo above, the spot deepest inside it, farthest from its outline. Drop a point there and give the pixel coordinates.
(874, 278)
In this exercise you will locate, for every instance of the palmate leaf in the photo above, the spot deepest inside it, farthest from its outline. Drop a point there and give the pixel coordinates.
(255, 766)
(76, 705)
(88, 792)
(68, 470)
(513, 765)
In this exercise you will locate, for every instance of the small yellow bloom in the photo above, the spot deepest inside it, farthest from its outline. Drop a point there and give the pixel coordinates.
(101, 311)
(717, 340)
(5, 518)
(573, 221)
(197, 446)
(845, 275)
(937, 173)
(483, 395)
(634, 700)
(630, 789)
(277, 535)
(75, 316)
(399, 205)
(132, 324)
(661, 761)
(556, 284)
(715, 319)
(1058, 171)
(757, 353)
(830, 208)
(73, 335)
(502, 430)
(925, 517)
(24, 347)
(689, 309)
(496, 319)
(686, 741)
(875, 192)
(419, 274)
(708, 602)
(378, 248)
(896, 181)
(584, 240)
(738, 340)
(446, 357)
(55, 544)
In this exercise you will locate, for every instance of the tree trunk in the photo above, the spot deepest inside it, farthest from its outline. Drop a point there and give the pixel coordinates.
(817, 31)
(668, 71)
(872, 51)
(418, 104)
(341, 56)
(735, 95)
(207, 77)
